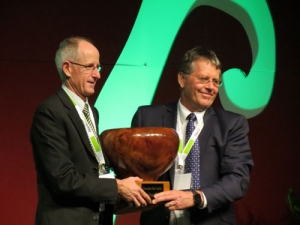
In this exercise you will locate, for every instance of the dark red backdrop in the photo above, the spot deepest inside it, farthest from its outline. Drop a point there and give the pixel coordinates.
(30, 33)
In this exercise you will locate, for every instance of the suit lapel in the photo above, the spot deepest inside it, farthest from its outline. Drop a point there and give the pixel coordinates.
(75, 119)
(209, 120)
(169, 118)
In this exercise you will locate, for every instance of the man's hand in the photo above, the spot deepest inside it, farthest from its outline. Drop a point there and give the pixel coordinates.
(132, 193)
(175, 199)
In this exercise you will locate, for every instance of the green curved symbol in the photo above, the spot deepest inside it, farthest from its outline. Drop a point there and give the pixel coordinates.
(135, 76)
(249, 95)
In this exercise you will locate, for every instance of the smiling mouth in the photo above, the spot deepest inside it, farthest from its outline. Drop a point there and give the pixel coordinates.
(92, 82)
(205, 94)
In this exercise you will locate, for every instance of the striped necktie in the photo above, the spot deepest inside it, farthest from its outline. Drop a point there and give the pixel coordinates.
(86, 113)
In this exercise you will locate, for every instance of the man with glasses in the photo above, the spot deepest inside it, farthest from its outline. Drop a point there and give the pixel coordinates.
(74, 180)
(212, 169)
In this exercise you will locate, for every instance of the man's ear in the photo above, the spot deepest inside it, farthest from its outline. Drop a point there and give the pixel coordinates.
(181, 79)
(67, 69)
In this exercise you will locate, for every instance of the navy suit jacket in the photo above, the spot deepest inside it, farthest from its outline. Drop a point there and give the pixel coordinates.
(225, 161)
(69, 190)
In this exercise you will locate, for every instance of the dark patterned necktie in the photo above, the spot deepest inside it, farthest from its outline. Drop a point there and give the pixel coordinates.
(192, 161)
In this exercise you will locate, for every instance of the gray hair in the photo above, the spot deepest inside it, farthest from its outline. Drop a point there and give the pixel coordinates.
(67, 50)
(187, 63)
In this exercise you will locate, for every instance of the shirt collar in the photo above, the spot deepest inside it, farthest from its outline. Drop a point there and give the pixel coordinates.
(184, 112)
(75, 97)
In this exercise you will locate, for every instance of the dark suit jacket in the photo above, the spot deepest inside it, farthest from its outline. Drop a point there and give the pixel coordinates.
(69, 190)
(225, 162)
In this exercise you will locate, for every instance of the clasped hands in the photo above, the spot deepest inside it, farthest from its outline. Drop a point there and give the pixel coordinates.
(136, 196)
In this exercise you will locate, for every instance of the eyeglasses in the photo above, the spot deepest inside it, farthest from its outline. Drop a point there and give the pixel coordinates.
(88, 68)
(204, 80)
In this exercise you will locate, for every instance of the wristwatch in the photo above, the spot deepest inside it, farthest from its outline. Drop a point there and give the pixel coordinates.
(197, 198)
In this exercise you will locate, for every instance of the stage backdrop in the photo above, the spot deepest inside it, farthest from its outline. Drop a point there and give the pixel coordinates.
(30, 34)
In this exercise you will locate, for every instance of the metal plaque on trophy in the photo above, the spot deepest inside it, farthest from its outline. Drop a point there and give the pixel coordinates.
(146, 152)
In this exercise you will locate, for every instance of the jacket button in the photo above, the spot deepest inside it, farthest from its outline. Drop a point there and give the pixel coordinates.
(95, 217)
(95, 170)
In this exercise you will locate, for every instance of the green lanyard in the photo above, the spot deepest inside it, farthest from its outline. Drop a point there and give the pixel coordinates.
(93, 140)
(183, 152)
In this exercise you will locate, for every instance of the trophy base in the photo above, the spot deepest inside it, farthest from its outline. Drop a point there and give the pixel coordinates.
(151, 188)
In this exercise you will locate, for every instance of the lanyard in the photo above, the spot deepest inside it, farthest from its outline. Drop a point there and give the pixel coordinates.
(183, 152)
(93, 140)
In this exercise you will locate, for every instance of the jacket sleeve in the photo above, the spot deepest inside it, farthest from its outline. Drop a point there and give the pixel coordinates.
(229, 146)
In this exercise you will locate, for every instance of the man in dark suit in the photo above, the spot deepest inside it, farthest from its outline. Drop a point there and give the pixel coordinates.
(220, 139)
(75, 185)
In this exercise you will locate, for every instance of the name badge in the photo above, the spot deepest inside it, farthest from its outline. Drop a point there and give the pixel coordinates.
(108, 175)
(182, 181)
(105, 172)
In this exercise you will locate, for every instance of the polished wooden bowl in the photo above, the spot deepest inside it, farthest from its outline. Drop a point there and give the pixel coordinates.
(146, 152)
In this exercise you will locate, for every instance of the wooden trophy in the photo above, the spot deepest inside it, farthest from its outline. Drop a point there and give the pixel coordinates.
(146, 152)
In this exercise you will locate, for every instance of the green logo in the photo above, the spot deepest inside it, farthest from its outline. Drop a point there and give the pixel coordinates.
(135, 76)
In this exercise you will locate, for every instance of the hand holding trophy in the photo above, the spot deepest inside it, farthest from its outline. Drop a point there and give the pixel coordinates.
(145, 152)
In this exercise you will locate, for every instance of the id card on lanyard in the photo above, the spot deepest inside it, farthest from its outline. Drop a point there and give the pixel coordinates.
(182, 181)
